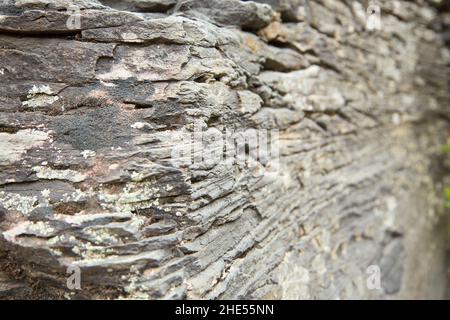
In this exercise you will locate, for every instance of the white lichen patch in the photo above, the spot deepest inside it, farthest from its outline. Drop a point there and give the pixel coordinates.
(14, 145)
(133, 288)
(101, 236)
(136, 223)
(56, 252)
(88, 154)
(40, 96)
(90, 252)
(40, 101)
(78, 195)
(134, 195)
(45, 197)
(51, 174)
(39, 229)
(137, 176)
(40, 89)
(14, 201)
(139, 125)
(136, 295)
(45, 193)
(61, 239)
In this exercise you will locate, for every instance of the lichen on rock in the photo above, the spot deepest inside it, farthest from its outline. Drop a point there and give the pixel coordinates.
(101, 169)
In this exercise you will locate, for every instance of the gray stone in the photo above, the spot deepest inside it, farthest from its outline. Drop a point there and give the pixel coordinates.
(96, 169)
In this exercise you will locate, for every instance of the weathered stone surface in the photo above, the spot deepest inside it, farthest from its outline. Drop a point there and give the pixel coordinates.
(94, 174)
(248, 15)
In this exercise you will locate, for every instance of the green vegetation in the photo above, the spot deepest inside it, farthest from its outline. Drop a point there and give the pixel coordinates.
(446, 148)
(447, 193)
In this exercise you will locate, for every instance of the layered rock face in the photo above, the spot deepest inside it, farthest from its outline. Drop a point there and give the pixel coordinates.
(97, 175)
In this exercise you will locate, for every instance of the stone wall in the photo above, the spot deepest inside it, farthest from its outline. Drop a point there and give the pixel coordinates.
(95, 99)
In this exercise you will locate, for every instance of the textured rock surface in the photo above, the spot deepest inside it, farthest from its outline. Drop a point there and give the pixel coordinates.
(89, 117)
